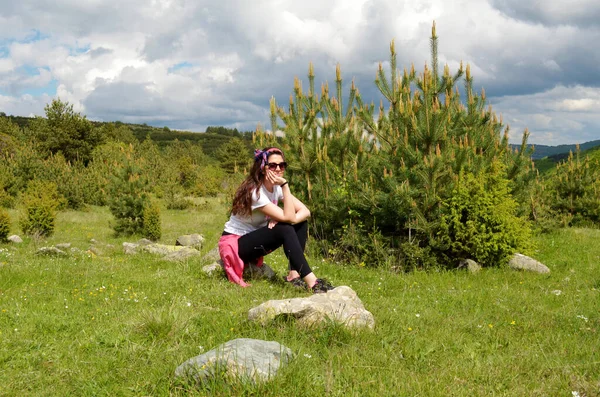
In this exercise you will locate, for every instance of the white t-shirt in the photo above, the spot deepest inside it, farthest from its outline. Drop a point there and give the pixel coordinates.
(241, 225)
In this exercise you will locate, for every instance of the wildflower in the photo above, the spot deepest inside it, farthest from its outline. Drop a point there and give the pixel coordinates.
(417, 315)
(307, 355)
(513, 322)
(409, 328)
(491, 325)
(189, 304)
(557, 292)
(584, 318)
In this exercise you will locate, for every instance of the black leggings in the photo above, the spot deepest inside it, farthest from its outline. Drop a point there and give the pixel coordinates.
(264, 240)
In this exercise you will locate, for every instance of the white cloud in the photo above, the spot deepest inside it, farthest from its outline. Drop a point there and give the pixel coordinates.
(209, 63)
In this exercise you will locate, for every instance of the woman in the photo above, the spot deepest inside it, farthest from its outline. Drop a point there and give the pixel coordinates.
(258, 226)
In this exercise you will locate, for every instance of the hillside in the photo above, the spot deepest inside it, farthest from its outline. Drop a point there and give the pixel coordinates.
(541, 151)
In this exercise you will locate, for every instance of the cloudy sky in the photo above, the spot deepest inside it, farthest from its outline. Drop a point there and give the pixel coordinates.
(188, 64)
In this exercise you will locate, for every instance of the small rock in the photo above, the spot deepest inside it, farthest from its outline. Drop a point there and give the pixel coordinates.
(212, 268)
(212, 255)
(160, 249)
(95, 250)
(243, 359)
(63, 246)
(144, 241)
(15, 239)
(130, 248)
(50, 251)
(190, 240)
(470, 265)
(75, 250)
(181, 255)
(522, 262)
(251, 271)
(93, 241)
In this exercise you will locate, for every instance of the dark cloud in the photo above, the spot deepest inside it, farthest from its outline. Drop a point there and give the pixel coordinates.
(580, 13)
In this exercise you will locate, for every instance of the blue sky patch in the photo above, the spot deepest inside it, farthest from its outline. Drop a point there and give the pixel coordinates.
(180, 66)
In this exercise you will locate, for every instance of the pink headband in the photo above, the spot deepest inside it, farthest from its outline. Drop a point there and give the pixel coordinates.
(263, 155)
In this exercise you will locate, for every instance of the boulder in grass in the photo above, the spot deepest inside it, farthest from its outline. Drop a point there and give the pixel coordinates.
(15, 239)
(522, 262)
(63, 246)
(130, 248)
(212, 255)
(241, 359)
(340, 305)
(190, 240)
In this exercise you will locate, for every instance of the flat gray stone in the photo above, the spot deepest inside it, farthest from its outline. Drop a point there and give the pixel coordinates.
(144, 241)
(522, 262)
(63, 246)
(160, 249)
(243, 359)
(15, 239)
(341, 305)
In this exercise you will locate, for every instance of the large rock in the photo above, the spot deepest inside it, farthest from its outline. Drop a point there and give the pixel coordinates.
(190, 240)
(160, 249)
(341, 305)
(522, 262)
(213, 268)
(130, 248)
(242, 359)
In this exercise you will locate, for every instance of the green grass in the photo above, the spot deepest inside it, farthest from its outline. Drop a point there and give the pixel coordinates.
(114, 324)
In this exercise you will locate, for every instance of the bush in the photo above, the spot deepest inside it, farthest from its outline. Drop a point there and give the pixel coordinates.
(4, 225)
(127, 200)
(151, 219)
(210, 182)
(478, 222)
(41, 200)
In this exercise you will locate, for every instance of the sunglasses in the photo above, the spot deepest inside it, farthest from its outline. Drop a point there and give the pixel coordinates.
(273, 166)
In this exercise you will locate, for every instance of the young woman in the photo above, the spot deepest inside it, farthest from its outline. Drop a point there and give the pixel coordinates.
(258, 226)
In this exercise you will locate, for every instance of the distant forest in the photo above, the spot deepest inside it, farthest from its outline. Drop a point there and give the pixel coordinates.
(210, 140)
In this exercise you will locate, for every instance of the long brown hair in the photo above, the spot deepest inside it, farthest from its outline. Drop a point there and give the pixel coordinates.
(242, 201)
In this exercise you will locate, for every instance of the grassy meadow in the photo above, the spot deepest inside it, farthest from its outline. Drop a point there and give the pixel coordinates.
(109, 324)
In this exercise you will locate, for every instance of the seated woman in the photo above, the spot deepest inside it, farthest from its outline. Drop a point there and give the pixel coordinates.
(258, 226)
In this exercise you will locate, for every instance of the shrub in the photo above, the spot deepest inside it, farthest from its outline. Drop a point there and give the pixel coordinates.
(151, 220)
(210, 182)
(40, 200)
(478, 222)
(4, 225)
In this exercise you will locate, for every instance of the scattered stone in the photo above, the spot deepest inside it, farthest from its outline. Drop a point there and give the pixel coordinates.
(181, 255)
(212, 255)
(93, 241)
(253, 272)
(15, 239)
(341, 305)
(144, 241)
(243, 359)
(522, 262)
(470, 265)
(190, 240)
(50, 251)
(63, 246)
(160, 249)
(212, 268)
(130, 248)
(95, 250)
(75, 250)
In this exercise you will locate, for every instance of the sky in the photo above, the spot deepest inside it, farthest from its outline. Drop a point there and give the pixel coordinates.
(189, 64)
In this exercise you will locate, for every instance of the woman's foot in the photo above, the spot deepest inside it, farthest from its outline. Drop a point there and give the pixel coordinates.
(321, 286)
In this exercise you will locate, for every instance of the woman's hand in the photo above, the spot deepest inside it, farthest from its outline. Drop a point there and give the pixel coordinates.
(274, 178)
